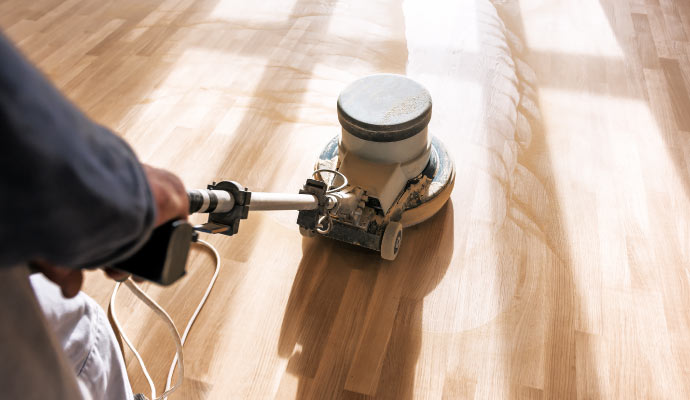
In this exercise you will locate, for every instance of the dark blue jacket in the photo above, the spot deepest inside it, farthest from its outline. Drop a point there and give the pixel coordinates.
(71, 192)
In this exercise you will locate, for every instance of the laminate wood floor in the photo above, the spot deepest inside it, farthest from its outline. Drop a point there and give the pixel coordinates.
(560, 267)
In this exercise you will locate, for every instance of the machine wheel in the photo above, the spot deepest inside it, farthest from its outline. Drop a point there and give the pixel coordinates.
(390, 243)
(306, 232)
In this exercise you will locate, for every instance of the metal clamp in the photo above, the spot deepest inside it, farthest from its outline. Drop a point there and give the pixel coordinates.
(228, 223)
(310, 219)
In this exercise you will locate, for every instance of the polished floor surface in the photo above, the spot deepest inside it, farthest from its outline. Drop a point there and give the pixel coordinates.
(559, 269)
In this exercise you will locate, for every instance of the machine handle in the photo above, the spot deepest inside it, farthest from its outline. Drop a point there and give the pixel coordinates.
(222, 201)
(163, 258)
(210, 201)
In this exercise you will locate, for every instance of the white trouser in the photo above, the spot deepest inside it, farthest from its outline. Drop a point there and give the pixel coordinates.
(82, 329)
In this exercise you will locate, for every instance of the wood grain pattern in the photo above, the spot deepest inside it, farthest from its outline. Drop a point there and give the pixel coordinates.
(559, 269)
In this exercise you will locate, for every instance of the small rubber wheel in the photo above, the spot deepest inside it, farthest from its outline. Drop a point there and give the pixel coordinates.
(390, 243)
(306, 232)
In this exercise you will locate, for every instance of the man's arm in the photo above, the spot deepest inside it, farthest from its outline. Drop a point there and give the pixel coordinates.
(71, 192)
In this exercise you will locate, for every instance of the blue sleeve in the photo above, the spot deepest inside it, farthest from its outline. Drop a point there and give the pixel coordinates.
(71, 192)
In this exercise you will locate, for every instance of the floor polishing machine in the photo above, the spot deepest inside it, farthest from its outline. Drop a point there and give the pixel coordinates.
(383, 173)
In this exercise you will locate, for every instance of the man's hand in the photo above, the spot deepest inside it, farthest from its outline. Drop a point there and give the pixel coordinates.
(171, 202)
(169, 195)
(69, 279)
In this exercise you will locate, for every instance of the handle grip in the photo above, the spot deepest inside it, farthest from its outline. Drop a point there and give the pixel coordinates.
(163, 258)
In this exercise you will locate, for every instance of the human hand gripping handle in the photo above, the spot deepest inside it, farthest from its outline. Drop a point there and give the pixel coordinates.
(170, 240)
(163, 257)
(169, 195)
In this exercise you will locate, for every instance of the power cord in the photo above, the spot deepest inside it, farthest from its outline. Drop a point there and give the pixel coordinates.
(158, 310)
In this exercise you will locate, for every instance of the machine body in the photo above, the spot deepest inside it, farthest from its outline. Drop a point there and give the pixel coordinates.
(398, 173)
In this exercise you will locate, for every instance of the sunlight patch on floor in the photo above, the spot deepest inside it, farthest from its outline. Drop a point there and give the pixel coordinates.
(582, 28)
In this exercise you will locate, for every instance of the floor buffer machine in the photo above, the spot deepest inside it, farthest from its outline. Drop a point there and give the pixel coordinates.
(384, 172)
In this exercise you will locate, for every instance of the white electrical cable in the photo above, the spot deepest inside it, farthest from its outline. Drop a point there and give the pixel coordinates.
(330, 188)
(198, 308)
(179, 342)
(124, 337)
(170, 324)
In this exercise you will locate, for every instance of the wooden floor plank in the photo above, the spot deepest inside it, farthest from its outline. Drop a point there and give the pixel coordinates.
(559, 269)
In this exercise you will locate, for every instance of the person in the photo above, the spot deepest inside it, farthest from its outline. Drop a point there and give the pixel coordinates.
(74, 196)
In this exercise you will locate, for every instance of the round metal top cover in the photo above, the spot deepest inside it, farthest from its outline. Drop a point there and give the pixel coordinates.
(384, 108)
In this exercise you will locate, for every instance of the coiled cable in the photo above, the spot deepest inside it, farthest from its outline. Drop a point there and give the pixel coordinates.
(178, 360)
